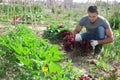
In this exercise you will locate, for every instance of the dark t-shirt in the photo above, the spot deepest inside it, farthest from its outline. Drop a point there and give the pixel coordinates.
(91, 27)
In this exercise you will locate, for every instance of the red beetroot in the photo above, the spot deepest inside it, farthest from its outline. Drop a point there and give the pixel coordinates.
(68, 40)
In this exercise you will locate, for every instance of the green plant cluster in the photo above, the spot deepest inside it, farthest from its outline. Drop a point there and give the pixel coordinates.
(31, 58)
(17, 9)
(27, 13)
(30, 17)
(115, 19)
(53, 31)
(116, 43)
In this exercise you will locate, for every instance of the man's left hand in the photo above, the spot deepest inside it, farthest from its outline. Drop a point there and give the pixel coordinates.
(94, 42)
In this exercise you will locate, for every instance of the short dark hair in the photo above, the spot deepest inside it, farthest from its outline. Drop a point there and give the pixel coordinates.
(92, 9)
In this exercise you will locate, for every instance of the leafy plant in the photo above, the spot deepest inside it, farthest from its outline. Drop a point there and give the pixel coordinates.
(29, 17)
(32, 57)
(115, 19)
(53, 31)
(26, 12)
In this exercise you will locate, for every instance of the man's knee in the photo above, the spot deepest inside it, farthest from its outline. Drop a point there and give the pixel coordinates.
(101, 28)
(101, 32)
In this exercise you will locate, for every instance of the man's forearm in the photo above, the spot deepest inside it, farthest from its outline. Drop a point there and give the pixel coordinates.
(78, 29)
(104, 41)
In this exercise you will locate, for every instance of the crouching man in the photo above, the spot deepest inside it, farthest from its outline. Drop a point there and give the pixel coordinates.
(98, 30)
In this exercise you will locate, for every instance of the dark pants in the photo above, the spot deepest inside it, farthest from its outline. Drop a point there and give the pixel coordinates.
(98, 35)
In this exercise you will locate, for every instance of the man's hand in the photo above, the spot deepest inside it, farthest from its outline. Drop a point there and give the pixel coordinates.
(94, 42)
(78, 37)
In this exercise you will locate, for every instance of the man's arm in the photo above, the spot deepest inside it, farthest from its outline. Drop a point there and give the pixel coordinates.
(109, 37)
(77, 29)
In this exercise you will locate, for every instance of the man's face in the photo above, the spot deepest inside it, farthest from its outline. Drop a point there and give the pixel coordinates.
(92, 17)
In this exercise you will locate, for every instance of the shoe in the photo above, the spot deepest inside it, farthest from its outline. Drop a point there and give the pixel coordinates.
(96, 55)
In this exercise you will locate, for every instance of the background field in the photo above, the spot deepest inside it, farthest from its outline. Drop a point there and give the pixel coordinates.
(30, 48)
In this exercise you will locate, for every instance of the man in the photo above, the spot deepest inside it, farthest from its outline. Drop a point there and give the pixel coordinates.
(98, 30)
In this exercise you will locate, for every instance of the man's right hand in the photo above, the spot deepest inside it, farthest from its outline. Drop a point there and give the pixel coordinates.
(78, 37)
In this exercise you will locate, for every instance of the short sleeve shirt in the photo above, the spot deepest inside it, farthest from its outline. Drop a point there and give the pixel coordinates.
(91, 27)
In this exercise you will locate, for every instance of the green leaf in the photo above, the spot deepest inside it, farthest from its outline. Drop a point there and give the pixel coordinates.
(53, 68)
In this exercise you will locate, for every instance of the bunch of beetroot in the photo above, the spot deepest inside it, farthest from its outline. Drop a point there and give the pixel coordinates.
(85, 77)
(84, 47)
(67, 39)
